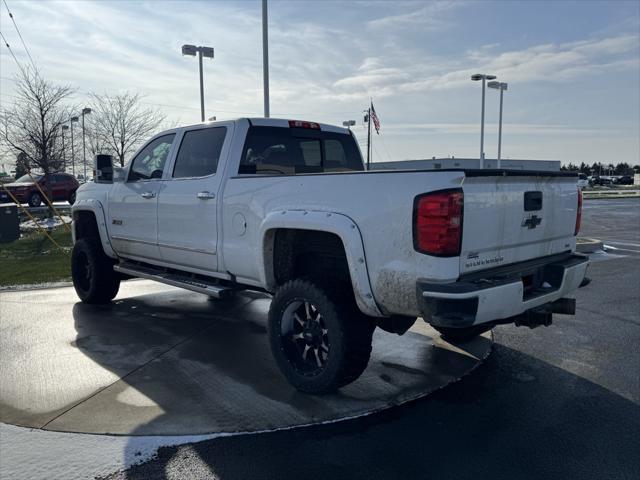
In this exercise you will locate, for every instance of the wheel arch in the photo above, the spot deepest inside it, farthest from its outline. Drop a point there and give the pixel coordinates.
(331, 223)
(89, 220)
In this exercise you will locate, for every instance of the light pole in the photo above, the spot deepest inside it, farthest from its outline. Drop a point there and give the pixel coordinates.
(73, 155)
(64, 151)
(484, 78)
(367, 119)
(502, 87)
(349, 123)
(202, 52)
(265, 57)
(85, 111)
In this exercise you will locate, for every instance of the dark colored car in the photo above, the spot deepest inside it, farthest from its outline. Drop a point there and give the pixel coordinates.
(624, 180)
(601, 181)
(63, 188)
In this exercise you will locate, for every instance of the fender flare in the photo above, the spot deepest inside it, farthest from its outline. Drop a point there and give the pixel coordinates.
(95, 207)
(331, 222)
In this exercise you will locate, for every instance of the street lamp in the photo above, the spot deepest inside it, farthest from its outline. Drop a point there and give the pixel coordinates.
(349, 123)
(73, 155)
(484, 78)
(202, 52)
(64, 151)
(502, 87)
(85, 111)
(265, 57)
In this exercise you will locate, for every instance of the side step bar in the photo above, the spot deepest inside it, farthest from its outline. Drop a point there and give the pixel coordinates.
(174, 279)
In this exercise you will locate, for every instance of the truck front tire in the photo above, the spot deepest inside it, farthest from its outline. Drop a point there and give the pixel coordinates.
(92, 272)
(319, 339)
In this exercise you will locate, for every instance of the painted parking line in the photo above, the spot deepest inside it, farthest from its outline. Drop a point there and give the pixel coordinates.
(609, 247)
(625, 244)
(603, 255)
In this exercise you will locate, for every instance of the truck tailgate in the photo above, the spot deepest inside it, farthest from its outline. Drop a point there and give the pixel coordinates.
(515, 217)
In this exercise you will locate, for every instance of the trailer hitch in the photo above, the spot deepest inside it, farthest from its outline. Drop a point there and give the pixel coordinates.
(544, 315)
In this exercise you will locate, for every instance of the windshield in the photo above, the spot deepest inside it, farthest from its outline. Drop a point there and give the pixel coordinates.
(27, 179)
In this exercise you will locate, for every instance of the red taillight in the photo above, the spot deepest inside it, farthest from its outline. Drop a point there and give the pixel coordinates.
(437, 224)
(579, 213)
(301, 124)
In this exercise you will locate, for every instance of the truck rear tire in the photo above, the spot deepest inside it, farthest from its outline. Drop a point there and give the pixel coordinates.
(320, 340)
(92, 271)
(462, 334)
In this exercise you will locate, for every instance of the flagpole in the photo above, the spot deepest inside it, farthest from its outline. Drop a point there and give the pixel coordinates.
(369, 137)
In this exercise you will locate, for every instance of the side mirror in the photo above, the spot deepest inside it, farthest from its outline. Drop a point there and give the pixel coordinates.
(104, 169)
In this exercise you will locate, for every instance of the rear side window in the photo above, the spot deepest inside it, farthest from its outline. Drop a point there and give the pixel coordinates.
(149, 163)
(287, 151)
(199, 152)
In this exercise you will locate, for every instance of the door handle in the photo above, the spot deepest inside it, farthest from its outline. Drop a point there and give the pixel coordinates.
(148, 195)
(206, 195)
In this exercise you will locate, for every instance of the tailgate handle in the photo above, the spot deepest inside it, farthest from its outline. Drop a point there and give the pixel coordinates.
(532, 201)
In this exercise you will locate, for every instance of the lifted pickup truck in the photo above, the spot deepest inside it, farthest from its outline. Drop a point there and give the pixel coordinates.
(286, 207)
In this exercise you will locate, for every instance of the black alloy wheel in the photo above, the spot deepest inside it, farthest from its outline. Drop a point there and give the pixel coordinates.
(319, 338)
(305, 337)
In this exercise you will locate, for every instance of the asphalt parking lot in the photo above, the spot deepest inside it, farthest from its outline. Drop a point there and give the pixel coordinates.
(558, 402)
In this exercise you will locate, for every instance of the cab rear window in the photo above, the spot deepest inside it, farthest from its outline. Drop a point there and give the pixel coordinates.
(289, 151)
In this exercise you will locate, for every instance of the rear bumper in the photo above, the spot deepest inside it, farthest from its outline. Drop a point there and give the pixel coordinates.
(6, 198)
(500, 293)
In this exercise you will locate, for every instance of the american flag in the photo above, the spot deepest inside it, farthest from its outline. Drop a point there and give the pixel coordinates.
(376, 120)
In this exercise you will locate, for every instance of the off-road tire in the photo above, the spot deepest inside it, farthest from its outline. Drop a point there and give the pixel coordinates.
(462, 334)
(92, 272)
(349, 335)
(35, 199)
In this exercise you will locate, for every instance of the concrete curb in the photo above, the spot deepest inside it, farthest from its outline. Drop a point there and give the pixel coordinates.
(588, 245)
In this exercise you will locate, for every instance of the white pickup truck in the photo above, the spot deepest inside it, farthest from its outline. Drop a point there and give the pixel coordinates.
(286, 207)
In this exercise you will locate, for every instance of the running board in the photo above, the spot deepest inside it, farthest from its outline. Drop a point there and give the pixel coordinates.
(174, 279)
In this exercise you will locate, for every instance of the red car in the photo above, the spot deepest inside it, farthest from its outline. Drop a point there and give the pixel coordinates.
(63, 188)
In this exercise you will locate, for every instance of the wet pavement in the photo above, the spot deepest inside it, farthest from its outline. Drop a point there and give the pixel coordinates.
(163, 361)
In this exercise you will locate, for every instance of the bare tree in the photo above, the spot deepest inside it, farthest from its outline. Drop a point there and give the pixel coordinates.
(121, 123)
(95, 145)
(31, 127)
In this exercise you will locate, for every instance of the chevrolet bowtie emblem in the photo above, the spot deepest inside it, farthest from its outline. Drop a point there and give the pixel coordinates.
(532, 222)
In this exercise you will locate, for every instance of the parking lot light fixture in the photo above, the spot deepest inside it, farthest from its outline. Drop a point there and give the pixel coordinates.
(502, 87)
(64, 151)
(206, 52)
(73, 156)
(476, 77)
(85, 111)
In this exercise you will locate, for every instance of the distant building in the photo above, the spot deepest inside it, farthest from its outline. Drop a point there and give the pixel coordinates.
(444, 163)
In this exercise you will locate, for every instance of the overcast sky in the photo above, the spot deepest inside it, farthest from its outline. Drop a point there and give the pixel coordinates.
(573, 68)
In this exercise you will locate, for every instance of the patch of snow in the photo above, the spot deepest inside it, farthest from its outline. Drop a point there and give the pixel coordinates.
(36, 286)
(46, 223)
